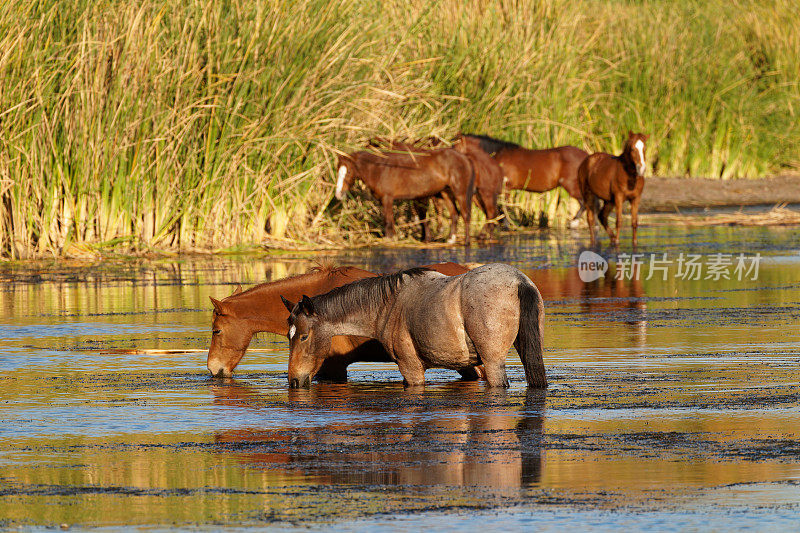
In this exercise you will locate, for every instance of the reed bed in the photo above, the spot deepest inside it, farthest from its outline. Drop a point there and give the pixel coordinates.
(205, 126)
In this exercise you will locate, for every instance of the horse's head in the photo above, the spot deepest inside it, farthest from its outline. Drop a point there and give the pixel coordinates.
(345, 175)
(634, 148)
(229, 339)
(307, 349)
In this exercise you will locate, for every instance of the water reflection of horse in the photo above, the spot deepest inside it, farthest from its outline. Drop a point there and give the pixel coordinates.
(393, 436)
(607, 298)
(259, 309)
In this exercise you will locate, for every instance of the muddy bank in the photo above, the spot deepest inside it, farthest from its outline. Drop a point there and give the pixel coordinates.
(672, 194)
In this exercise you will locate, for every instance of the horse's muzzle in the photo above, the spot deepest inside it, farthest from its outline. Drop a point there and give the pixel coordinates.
(219, 371)
(296, 383)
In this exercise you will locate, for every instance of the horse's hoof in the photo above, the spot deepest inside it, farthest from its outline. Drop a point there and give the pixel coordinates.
(574, 223)
(452, 239)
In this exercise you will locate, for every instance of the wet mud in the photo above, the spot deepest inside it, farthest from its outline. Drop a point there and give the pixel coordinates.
(671, 402)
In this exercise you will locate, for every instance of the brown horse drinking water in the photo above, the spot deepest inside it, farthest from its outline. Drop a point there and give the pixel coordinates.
(425, 319)
(243, 314)
(614, 179)
(407, 176)
(536, 170)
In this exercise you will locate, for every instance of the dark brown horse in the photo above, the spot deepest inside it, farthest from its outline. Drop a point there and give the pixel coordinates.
(259, 309)
(488, 176)
(614, 179)
(425, 319)
(407, 176)
(536, 170)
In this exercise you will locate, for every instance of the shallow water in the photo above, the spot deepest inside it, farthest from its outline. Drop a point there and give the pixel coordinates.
(672, 404)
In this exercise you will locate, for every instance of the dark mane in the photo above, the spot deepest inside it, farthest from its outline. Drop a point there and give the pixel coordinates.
(368, 294)
(490, 145)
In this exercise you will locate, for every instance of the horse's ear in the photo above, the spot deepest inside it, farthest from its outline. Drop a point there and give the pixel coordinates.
(287, 304)
(237, 290)
(217, 305)
(646, 136)
(630, 133)
(307, 304)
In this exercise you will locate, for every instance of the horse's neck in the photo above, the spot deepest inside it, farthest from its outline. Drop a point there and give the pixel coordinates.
(359, 324)
(628, 166)
(262, 307)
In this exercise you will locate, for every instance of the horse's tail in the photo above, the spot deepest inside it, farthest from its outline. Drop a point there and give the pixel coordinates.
(529, 337)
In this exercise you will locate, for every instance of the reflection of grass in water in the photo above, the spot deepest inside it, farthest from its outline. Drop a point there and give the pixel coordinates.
(141, 126)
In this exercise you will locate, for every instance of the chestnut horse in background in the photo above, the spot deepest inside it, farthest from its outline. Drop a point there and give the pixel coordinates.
(488, 175)
(408, 176)
(614, 179)
(536, 170)
(259, 309)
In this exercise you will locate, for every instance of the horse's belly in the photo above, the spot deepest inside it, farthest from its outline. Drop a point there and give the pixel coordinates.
(449, 357)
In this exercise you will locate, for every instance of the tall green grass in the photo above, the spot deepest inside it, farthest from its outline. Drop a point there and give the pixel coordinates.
(209, 125)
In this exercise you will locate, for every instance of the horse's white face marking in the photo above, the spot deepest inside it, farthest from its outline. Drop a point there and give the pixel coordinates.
(340, 181)
(641, 165)
(292, 331)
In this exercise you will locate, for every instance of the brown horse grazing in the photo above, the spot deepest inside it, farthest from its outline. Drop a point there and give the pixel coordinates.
(243, 314)
(425, 319)
(407, 176)
(536, 170)
(488, 176)
(614, 179)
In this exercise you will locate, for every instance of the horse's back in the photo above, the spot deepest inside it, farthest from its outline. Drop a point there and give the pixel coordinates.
(572, 157)
(448, 269)
(492, 280)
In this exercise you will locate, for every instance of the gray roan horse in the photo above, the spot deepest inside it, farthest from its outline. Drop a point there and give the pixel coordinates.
(425, 319)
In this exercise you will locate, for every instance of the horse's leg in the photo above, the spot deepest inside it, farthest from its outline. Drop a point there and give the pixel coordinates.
(334, 369)
(411, 368)
(506, 221)
(492, 344)
(603, 215)
(421, 210)
(590, 212)
(635, 217)
(451, 208)
(488, 202)
(388, 217)
(618, 199)
(465, 198)
(573, 188)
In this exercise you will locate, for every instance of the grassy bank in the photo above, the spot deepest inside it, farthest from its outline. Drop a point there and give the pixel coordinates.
(210, 125)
